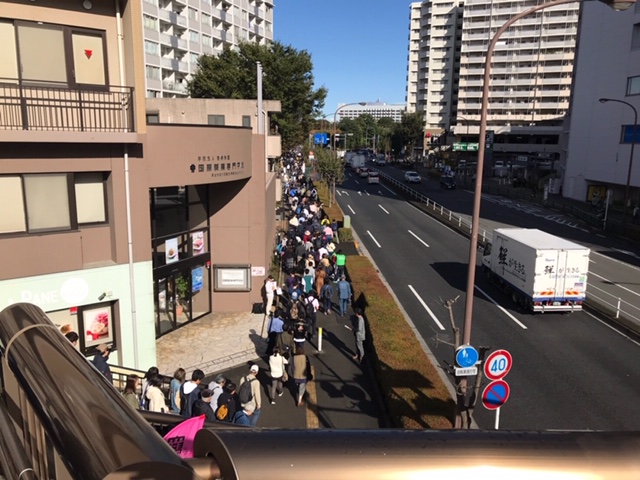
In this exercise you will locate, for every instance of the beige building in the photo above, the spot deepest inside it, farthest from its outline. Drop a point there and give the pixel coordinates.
(123, 230)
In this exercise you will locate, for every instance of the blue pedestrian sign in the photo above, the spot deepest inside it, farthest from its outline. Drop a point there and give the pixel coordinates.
(466, 356)
(320, 138)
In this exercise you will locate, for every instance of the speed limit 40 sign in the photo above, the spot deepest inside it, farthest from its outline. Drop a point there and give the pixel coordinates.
(497, 365)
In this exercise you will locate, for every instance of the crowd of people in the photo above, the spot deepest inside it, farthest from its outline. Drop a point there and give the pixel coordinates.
(315, 272)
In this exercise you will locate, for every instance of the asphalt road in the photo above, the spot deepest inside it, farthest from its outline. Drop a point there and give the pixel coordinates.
(571, 371)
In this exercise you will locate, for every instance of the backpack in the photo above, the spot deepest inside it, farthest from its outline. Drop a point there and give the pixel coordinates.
(309, 309)
(222, 413)
(245, 395)
(327, 293)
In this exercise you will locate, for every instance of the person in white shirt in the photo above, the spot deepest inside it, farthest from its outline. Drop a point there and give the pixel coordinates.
(277, 366)
(270, 287)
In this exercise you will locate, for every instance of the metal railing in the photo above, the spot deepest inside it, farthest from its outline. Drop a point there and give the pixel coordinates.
(59, 108)
(612, 305)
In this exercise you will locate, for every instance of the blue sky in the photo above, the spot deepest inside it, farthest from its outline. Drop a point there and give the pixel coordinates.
(358, 47)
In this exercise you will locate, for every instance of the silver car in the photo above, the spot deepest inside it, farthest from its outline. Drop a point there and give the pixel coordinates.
(412, 177)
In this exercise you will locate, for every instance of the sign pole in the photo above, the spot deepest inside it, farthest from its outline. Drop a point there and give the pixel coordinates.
(497, 423)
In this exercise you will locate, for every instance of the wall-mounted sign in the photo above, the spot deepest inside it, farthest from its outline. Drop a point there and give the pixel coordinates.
(196, 279)
(197, 243)
(171, 251)
(257, 271)
(232, 278)
(97, 325)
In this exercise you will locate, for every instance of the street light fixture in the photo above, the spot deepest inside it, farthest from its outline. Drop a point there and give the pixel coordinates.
(618, 5)
(336, 113)
(633, 145)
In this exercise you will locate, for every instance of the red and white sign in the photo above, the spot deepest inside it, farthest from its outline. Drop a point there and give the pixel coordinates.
(498, 364)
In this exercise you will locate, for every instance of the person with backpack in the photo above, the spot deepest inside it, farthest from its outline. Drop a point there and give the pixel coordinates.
(190, 392)
(202, 406)
(311, 306)
(326, 294)
(228, 403)
(249, 393)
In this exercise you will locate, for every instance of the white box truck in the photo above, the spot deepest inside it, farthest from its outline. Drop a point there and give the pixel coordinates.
(542, 272)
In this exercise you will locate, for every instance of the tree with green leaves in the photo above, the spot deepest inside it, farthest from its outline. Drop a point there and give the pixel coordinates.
(331, 170)
(287, 77)
(411, 129)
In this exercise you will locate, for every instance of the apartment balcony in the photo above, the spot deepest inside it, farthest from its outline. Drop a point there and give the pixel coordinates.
(173, 18)
(104, 114)
(173, 41)
(176, 87)
(175, 65)
(274, 145)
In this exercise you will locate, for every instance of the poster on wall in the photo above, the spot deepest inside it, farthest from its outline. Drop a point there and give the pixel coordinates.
(196, 279)
(197, 243)
(171, 250)
(98, 325)
(232, 278)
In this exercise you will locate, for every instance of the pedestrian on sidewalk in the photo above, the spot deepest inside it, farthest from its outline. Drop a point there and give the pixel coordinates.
(174, 389)
(276, 327)
(270, 287)
(344, 295)
(228, 398)
(278, 372)
(255, 398)
(217, 387)
(341, 262)
(202, 406)
(359, 331)
(190, 392)
(326, 293)
(245, 416)
(300, 370)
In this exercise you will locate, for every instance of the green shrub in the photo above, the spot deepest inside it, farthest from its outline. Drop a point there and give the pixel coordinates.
(345, 235)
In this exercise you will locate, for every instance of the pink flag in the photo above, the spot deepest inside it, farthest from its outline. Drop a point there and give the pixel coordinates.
(181, 436)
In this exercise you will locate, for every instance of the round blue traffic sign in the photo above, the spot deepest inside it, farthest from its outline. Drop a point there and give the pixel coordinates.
(495, 394)
(466, 356)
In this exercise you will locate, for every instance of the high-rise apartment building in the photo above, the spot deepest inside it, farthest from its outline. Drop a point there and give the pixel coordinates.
(531, 72)
(433, 61)
(177, 32)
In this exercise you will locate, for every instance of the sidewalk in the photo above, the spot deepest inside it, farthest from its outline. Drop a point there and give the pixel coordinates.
(343, 393)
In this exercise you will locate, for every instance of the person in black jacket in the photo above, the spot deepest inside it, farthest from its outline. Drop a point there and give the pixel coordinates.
(202, 406)
(230, 399)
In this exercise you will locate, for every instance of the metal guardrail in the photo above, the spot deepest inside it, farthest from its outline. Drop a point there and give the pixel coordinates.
(59, 108)
(602, 301)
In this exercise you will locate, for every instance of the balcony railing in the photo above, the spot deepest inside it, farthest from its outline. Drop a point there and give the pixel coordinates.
(54, 108)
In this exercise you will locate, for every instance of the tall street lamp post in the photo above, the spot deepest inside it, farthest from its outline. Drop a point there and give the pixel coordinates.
(461, 391)
(334, 118)
(633, 145)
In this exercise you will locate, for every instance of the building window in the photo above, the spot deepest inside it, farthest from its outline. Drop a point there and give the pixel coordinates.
(153, 118)
(90, 201)
(627, 134)
(151, 48)
(194, 36)
(635, 37)
(49, 53)
(215, 120)
(153, 73)
(633, 86)
(150, 23)
(246, 121)
(50, 202)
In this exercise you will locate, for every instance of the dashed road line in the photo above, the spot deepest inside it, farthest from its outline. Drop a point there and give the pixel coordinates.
(374, 239)
(349, 207)
(383, 209)
(504, 310)
(419, 239)
(426, 307)
(614, 283)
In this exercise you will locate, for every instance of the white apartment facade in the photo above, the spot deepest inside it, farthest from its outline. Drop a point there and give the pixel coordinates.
(433, 60)
(531, 73)
(177, 32)
(377, 110)
(600, 134)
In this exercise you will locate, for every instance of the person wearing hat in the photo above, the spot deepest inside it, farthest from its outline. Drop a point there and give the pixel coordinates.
(202, 406)
(100, 361)
(256, 399)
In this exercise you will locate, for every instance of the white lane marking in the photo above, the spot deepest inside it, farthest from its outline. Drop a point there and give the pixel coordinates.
(359, 193)
(357, 182)
(614, 283)
(392, 192)
(501, 307)
(374, 239)
(383, 209)
(426, 307)
(617, 261)
(338, 192)
(631, 254)
(366, 192)
(600, 235)
(612, 328)
(349, 207)
(591, 261)
(418, 238)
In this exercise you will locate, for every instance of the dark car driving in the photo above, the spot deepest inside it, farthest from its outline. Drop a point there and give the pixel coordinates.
(448, 182)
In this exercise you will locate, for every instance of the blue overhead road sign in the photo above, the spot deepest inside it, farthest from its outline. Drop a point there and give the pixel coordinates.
(466, 356)
(320, 138)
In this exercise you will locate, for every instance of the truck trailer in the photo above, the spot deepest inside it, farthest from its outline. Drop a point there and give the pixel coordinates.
(542, 272)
